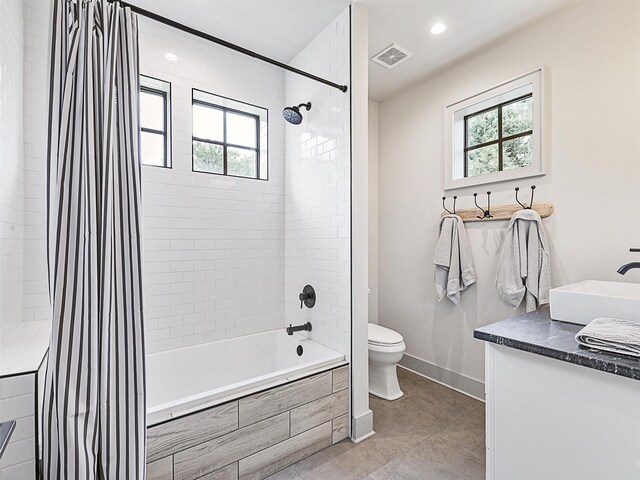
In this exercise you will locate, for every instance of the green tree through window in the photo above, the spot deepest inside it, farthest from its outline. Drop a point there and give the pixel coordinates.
(499, 138)
(209, 157)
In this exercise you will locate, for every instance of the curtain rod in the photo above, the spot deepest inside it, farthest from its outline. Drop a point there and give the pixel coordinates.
(227, 44)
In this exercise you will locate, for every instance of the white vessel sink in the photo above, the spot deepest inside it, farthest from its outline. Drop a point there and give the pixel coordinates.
(584, 301)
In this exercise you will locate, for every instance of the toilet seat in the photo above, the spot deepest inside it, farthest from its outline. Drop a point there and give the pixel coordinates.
(400, 347)
(380, 336)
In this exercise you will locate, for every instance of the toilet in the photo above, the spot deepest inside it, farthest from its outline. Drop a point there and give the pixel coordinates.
(386, 348)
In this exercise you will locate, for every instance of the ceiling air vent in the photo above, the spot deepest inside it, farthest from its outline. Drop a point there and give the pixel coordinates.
(391, 56)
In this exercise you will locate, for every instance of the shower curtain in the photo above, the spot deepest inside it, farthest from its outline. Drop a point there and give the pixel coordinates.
(93, 424)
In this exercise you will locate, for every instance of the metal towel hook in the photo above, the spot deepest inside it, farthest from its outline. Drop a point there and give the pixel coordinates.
(533, 188)
(454, 205)
(485, 213)
(445, 207)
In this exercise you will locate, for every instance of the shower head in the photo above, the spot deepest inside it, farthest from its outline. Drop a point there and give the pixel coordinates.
(293, 115)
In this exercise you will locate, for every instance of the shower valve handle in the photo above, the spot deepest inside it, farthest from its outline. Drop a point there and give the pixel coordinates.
(307, 296)
(302, 298)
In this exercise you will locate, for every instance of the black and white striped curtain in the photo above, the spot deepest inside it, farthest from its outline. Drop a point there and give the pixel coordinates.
(94, 399)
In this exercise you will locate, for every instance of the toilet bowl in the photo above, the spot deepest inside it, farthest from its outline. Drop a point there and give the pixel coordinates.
(386, 348)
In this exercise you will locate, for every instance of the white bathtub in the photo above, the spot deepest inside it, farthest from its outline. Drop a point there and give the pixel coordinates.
(192, 378)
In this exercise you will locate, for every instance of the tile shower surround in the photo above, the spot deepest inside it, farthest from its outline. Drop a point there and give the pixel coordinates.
(317, 189)
(17, 402)
(35, 109)
(211, 242)
(213, 245)
(11, 172)
(234, 223)
(255, 436)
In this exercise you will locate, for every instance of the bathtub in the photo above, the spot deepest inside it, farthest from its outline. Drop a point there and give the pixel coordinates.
(186, 380)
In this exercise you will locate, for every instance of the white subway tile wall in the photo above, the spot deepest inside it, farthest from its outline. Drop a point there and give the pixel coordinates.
(36, 52)
(214, 245)
(24, 26)
(317, 190)
(11, 174)
(17, 402)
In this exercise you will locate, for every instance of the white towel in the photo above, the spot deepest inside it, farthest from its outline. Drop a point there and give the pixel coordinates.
(524, 268)
(612, 335)
(453, 262)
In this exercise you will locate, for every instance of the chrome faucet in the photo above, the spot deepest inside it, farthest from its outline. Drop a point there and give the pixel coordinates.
(299, 328)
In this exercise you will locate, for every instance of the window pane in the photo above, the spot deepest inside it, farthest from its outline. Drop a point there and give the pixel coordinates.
(517, 153)
(208, 123)
(151, 111)
(241, 130)
(517, 117)
(208, 157)
(152, 149)
(482, 160)
(482, 128)
(241, 162)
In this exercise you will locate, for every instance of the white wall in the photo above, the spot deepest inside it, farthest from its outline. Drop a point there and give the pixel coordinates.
(201, 230)
(16, 393)
(17, 402)
(591, 49)
(373, 210)
(317, 192)
(362, 416)
(11, 174)
(36, 75)
(24, 27)
(214, 245)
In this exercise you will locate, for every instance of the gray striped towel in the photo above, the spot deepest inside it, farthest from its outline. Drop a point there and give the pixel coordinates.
(611, 335)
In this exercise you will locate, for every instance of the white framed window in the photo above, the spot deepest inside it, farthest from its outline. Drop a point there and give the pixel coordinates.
(155, 122)
(229, 137)
(498, 134)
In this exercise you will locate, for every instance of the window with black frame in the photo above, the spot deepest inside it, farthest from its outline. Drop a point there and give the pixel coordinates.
(228, 137)
(155, 122)
(499, 138)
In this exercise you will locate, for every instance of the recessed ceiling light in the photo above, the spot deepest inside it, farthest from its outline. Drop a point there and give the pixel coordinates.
(172, 57)
(437, 29)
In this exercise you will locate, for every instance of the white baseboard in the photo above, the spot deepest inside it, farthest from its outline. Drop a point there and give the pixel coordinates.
(364, 437)
(460, 383)
(362, 426)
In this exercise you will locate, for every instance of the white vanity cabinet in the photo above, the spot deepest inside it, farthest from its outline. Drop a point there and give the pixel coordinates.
(550, 418)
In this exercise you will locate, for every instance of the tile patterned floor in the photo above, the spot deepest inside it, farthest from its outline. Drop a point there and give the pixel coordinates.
(431, 433)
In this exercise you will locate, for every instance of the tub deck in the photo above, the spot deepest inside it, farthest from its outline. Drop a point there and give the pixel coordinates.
(186, 380)
(256, 435)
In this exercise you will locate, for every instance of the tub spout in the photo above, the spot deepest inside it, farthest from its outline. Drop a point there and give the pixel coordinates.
(299, 328)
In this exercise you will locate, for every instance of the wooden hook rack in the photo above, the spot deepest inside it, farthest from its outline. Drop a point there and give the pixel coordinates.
(502, 212)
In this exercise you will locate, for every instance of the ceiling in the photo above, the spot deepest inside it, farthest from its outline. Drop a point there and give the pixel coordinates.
(471, 24)
(276, 28)
(281, 28)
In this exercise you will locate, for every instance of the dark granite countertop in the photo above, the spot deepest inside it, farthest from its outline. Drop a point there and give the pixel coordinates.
(536, 333)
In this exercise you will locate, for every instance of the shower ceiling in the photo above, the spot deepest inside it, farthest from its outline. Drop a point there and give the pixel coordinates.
(281, 28)
(276, 28)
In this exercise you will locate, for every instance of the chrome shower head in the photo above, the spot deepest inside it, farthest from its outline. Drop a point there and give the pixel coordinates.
(293, 115)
